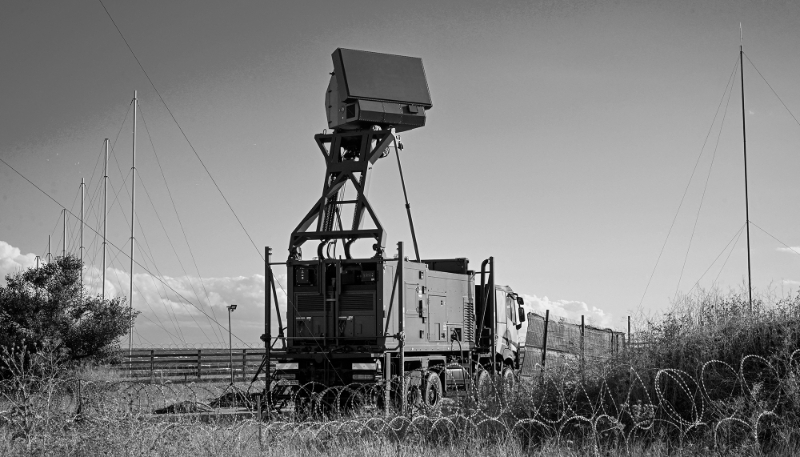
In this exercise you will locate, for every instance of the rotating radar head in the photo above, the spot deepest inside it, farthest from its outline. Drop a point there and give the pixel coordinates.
(369, 88)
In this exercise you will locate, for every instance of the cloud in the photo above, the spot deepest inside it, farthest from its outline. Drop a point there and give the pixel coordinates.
(571, 310)
(188, 310)
(13, 261)
(791, 282)
(791, 249)
(176, 310)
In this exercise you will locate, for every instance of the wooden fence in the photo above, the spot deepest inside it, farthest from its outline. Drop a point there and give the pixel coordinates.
(189, 365)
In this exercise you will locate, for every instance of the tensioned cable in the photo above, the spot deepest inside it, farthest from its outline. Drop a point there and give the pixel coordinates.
(119, 250)
(181, 130)
(190, 145)
(102, 149)
(152, 260)
(705, 188)
(52, 232)
(686, 190)
(123, 187)
(722, 268)
(186, 138)
(111, 153)
(735, 235)
(177, 215)
(159, 324)
(115, 202)
(147, 256)
(773, 90)
(776, 239)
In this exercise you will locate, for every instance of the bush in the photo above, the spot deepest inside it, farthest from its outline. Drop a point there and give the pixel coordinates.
(48, 306)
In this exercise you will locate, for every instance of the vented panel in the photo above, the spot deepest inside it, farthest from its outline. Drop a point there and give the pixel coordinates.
(309, 302)
(469, 321)
(357, 302)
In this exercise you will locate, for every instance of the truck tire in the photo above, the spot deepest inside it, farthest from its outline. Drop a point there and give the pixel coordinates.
(508, 378)
(483, 383)
(412, 395)
(432, 390)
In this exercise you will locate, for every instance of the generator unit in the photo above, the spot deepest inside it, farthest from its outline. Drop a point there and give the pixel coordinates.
(422, 328)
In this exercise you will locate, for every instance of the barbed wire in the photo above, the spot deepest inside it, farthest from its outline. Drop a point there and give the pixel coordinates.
(726, 405)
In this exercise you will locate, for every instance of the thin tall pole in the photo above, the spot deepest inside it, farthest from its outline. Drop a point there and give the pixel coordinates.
(746, 200)
(408, 206)
(230, 344)
(133, 225)
(48, 249)
(629, 332)
(83, 197)
(64, 238)
(105, 211)
(544, 339)
(583, 349)
(401, 328)
(493, 314)
(268, 327)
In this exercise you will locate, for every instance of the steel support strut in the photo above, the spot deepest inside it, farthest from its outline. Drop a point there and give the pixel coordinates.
(268, 327)
(349, 157)
(401, 325)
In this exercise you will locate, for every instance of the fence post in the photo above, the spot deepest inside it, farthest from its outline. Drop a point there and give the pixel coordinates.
(244, 365)
(260, 419)
(628, 341)
(152, 364)
(544, 340)
(199, 364)
(387, 378)
(79, 410)
(611, 332)
(583, 349)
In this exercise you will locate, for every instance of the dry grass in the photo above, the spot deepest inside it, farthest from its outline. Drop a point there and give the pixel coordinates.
(710, 379)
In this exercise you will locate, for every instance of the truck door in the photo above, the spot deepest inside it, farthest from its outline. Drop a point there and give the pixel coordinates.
(437, 317)
(416, 313)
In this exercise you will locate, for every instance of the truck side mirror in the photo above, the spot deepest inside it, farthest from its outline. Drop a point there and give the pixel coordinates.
(521, 314)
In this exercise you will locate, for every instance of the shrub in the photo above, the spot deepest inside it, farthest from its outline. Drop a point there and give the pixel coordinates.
(48, 305)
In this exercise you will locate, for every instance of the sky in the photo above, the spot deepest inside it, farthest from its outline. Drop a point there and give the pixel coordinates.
(562, 138)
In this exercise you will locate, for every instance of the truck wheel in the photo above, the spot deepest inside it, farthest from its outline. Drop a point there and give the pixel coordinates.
(508, 378)
(432, 394)
(483, 383)
(412, 394)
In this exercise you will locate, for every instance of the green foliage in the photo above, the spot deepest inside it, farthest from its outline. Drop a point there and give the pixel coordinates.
(48, 306)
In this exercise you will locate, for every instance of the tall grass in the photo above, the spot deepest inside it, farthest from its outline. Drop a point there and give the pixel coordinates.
(709, 378)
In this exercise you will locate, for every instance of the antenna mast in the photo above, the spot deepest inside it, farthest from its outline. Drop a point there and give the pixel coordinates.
(133, 226)
(746, 200)
(64, 238)
(83, 197)
(105, 211)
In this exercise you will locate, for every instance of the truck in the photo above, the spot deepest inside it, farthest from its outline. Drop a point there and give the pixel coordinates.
(418, 330)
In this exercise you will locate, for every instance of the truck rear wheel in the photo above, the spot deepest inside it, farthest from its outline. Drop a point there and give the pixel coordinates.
(483, 383)
(508, 378)
(432, 393)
